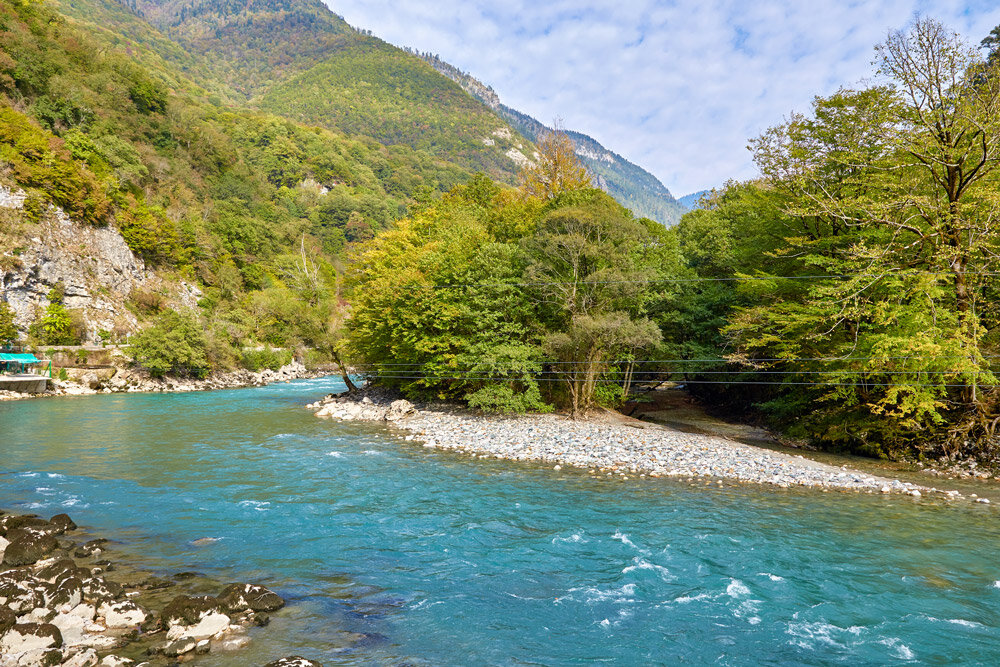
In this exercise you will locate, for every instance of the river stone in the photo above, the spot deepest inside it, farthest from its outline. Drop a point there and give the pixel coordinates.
(24, 637)
(210, 625)
(28, 550)
(90, 548)
(127, 614)
(293, 661)
(243, 597)
(19, 595)
(63, 521)
(68, 592)
(85, 658)
(179, 647)
(72, 627)
(116, 661)
(100, 590)
(12, 521)
(7, 619)
(188, 610)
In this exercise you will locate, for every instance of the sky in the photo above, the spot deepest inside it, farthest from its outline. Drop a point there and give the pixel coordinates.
(676, 87)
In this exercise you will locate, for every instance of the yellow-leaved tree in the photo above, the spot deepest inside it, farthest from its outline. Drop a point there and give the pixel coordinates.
(556, 169)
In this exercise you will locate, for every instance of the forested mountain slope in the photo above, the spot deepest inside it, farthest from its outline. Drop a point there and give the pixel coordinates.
(628, 183)
(108, 123)
(297, 59)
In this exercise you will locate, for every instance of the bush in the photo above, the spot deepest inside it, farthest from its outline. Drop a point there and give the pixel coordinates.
(174, 344)
(257, 360)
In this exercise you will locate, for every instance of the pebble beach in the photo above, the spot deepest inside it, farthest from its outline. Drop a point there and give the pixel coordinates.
(606, 444)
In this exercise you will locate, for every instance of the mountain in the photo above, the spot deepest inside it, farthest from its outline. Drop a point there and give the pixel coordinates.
(631, 185)
(299, 60)
(693, 200)
(148, 163)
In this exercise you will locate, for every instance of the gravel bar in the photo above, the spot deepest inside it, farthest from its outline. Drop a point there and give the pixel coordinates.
(608, 444)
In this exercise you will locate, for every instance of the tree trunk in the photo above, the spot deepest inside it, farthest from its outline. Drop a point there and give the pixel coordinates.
(351, 387)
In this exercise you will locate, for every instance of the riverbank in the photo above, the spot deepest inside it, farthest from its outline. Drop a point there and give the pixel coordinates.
(62, 602)
(127, 381)
(607, 444)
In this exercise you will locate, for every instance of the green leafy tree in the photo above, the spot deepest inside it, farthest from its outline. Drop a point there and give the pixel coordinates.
(8, 329)
(174, 344)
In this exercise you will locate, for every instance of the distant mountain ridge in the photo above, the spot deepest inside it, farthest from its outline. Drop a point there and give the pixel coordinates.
(630, 184)
(692, 201)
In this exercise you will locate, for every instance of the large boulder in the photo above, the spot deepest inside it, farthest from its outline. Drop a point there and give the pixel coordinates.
(188, 610)
(19, 594)
(28, 549)
(125, 614)
(63, 521)
(25, 637)
(236, 598)
(12, 521)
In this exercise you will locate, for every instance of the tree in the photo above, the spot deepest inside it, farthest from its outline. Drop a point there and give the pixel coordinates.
(175, 343)
(593, 270)
(8, 329)
(556, 169)
(890, 192)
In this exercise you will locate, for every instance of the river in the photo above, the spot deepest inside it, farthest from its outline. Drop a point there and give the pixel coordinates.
(393, 554)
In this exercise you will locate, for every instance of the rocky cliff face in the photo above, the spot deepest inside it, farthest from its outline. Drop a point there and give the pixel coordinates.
(94, 264)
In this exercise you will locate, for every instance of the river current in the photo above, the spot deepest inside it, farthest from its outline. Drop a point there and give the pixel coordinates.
(393, 554)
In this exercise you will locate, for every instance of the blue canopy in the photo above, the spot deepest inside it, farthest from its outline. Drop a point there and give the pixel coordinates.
(20, 358)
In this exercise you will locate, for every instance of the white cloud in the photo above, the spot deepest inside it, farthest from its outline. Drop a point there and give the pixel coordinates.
(677, 87)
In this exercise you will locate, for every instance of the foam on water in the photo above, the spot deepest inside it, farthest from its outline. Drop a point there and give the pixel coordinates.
(259, 505)
(736, 588)
(643, 564)
(336, 455)
(575, 538)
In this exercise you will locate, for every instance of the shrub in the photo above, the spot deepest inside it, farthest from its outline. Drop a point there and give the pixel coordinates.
(174, 344)
(8, 330)
(256, 360)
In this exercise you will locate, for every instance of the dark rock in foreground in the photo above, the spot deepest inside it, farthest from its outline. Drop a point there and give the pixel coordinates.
(54, 610)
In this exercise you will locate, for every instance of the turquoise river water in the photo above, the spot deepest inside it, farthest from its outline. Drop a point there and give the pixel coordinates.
(393, 554)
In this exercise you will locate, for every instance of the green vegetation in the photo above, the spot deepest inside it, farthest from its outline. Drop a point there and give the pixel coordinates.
(174, 344)
(8, 331)
(508, 300)
(867, 253)
(57, 326)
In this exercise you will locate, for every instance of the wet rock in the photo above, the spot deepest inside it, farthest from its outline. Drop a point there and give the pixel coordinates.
(63, 521)
(203, 647)
(28, 550)
(210, 625)
(116, 661)
(101, 590)
(188, 610)
(179, 647)
(293, 661)
(237, 598)
(90, 548)
(85, 658)
(11, 521)
(125, 614)
(24, 637)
